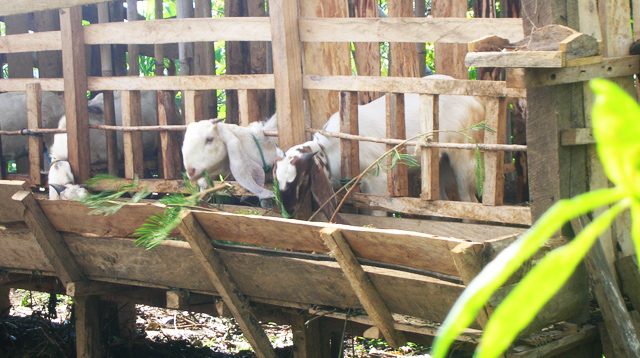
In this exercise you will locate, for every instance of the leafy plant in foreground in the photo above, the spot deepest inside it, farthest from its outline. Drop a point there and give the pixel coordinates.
(617, 134)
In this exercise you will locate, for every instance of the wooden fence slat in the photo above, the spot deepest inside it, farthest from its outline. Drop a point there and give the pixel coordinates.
(219, 276)
(132, 141)
(34, 120)
(75, 87)
(287, 72)
(430, 157)
(349, 150)
(203, 59)
(367, 54)
(496, 119)
(362, 286)
(397, 176)
(449, 57)
(193, 106)
(133, 49)
(38, 41)
(10, 7)
(169, 144)
(403, 56)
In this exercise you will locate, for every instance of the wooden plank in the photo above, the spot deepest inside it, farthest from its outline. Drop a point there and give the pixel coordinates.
(327, 58)
(583, 337)
(367, 54)
(5, 302)
(610, 300)
(34, 120)
(413, 85)
(403, 56)
(51, 242)
(306, 336)
(169, 143)
(529, 59)
(132, 50)
(31, 42)
(412, 29)
(349, 150)
(449, 209)
(221, 279)
(609, 68)
(49, 62)
(577, 136)
(627, 268)
(132, 141)
(430, 157)
(362, 286)
(180, 30)
(75, 86)
(176, 83)
(193, 106)
(397, 176)
(17, 84)
(496, 118)
(287, 71)
(90, 288)
(203, 58)
(11, 211)
(10, 7)
(19, 65)
(184, 9)
(449, 58)
(428, 252)
(616, 32)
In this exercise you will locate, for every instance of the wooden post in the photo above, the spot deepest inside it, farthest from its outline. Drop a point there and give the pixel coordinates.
(184, 9)
(75, 99)
(367, 293)
(5, 301)
(306, 337)
(261, 102)
(20, 65)
(403, 56)
(134, 50)
(349, 150)
(467, 257)
(192, 106)
(203, 60)
(450, 57)
(223, 282)
(324, 59)
(367, 54)
(88, 338)
(397, 176)
(169, 143)
(132, 141)
(109, 114)
(34, 121)
(49, 62)
(496, 119)
(287, 72)
(430, 157)
(614, 312)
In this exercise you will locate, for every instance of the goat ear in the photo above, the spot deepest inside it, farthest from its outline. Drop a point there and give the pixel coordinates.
(247, 172)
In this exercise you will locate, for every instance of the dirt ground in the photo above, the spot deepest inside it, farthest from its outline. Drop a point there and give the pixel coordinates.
(33, 329)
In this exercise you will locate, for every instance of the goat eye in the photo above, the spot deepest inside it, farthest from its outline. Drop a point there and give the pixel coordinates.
(209, 140)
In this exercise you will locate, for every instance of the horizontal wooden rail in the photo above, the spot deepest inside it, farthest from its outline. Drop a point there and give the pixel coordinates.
(412, 85)
(179, 30)
(32, 42)
(12, 7)
(399, 29)
(178, 83)
(172, 128)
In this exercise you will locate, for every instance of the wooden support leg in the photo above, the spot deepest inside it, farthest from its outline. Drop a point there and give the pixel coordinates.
(88, 339)
(5, 303)
(223, 282)
(307, 338)
(362, 286)
(127, 320)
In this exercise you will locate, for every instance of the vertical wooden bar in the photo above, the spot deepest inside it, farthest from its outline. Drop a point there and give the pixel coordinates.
(324, 59)
(75, 84)
(450, 57)
(88, 338)
(49, 62)
(430, 157)
(184, 9)
(421, 11)
(635, 5)
(403, 56)
(134, 50)
(349, 149)
(397, 176)
(109, 114)
(203, 60)
(34, 121)
(169, 144)
(158, 49)
(287, 64)
(262, 101)
(246, 113)
(5, 301)
(132, 141)
(367, 54)
(117, 14)
(192, 106)
(20, 64)
(306, 336)
(496, 118)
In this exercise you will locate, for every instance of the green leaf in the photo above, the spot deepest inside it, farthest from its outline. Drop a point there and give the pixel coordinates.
(158, 228)
(617, 131)
(479, 171)
(496, 273)
(539, 286)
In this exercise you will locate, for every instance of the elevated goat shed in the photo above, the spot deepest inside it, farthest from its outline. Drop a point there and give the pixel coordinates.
(296, 57)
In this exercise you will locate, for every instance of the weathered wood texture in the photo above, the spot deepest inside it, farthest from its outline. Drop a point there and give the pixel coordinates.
(496, 118)
(132, 141)
(88, 326)
(10, 7)
(362, 286)
(403, 57)
(75, 85)
(449, 58)
(221, 279)
(430, 157)
(349, 150)
(397, 175)
(34, 120)
(367, 54)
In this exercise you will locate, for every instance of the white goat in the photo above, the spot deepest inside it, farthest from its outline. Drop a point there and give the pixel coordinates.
(61, 183)
(13, 116)
(456, 113)
(58, 149)
(219, 149)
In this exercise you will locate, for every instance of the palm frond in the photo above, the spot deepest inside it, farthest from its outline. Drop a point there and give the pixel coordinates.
(158, 227)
